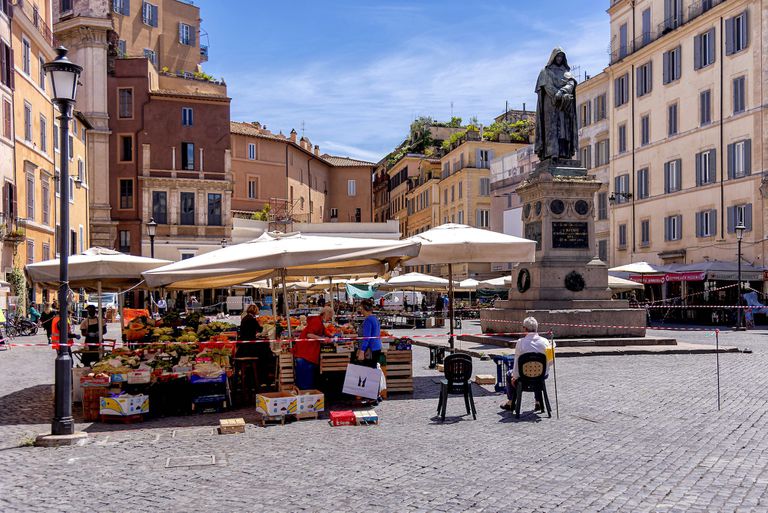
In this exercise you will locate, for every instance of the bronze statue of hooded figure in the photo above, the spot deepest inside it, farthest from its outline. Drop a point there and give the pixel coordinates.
(556, 130)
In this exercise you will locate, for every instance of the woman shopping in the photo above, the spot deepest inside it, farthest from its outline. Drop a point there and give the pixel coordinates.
(370, 345)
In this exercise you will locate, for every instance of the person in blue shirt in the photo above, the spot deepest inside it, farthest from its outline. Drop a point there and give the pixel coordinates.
(370, 346)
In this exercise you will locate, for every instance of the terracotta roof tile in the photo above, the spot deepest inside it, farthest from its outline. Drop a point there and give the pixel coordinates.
(346, 161)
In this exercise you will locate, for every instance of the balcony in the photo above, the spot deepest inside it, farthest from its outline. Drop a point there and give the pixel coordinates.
(15, 231)
(619, 50)
(31, 12)
(203, 53)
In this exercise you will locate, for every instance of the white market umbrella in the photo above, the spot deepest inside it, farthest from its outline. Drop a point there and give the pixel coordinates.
(636, 268)
(284, 254)
(96, 268)
(469, 285)
(417, 281)
(616, 283)
(461, 244)
(502, 282)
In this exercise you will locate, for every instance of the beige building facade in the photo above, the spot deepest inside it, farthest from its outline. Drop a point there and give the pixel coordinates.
(688, 130)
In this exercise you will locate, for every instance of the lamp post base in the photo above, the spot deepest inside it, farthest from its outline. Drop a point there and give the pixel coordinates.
(60, 440)
(739, 328)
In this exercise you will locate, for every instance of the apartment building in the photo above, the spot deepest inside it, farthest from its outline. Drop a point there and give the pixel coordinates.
(295, 181)
(507, 172)
(401, 177)
(96, 32)
(380, 193)
(688, 129)
(169, 161)
(7, 76)
(32, 205)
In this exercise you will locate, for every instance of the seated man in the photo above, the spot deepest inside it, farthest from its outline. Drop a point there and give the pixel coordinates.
(532, 342)
(306, 350)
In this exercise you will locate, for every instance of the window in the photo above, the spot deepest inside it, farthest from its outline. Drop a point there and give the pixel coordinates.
(43, 134)
(460, 219)
(27, 122)
(6, 65)
(56, 136)
(706, 167)
(621, 90)
(251, 151)
(739, 215)
(122, 7)
(151, 55)
(602, 206)
(30, 252)
(672, 119)
(602, 152)
(125, 102)
(646, 26)
(45, 199)
(622, 138)
(7, 119)
(358, 215)
(47, 251)
(461, 189)
(26, 55)
(623, 47)
(645, 130)
(602, 250)
(121, 48)
(71, 191)
(484, 159)
(351, 187)
(41, 72)
(740, 159)
(65, 6)
(31, 196)
(704, 49)
(57, 183)
(149, 14)
(126, 148)
(483, 218)
(82, 238)
(214, 209)
(453, 193)
(334, 213)
(188, 156)
(645, 233)
(672, 176)
(586, 156)
(600, 107)
(81, 171)
(585, 114)
(124, 244)
(736, 33)
(739, 95)
(187, 212)
(485, 187)
(622, 236)
(186, 34)
(126, 194)
(253, 189)
(673, 228)
(445, 196)
(672, 65)
(643, 184)
(705, 107)
(644, 79)
(621, 188)
(673, 15)
(706, 223)
(186, 116)
(160, 207)
(71, 146)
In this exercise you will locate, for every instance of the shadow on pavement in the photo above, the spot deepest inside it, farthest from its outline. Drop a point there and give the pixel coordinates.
(33, 405)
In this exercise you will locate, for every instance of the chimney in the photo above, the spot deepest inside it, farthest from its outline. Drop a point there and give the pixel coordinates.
(256, 124)
(317, 150)
(293, 135)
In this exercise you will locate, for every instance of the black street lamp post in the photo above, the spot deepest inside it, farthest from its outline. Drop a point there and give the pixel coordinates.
(740, 316)
(151, 230)
(63, 75)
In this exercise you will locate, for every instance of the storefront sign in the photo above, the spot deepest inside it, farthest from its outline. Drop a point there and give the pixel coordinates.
(733, 275)
(570, 235)
(533, 232)
(648, 279)
(690, 276)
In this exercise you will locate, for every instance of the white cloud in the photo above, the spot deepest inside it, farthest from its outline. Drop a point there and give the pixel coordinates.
(364, 111)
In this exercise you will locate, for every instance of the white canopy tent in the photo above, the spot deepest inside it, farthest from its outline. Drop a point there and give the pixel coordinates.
(637, 268)
(417, 281)
(616, 283)
(284, 254)
(502, 282)
(461, 244)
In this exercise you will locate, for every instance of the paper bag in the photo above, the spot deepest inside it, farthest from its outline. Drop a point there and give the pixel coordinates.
(362, 381)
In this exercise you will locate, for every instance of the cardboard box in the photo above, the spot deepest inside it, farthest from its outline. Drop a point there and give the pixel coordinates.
(124, 404)
(231, 426)
(366, 417)
(342, 418)
(485, 379)
(310, 401)
(273, 404)
(119, 378)
(139, 377)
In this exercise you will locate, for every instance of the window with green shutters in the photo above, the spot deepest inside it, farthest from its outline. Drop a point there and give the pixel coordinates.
(704, 49)
(737, 33)
(673, 175)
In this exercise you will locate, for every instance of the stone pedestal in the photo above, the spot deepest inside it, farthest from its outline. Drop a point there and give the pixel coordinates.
(566, 289)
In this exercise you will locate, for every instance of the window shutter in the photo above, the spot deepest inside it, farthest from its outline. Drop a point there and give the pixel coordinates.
(711, 45)
(14, 202)
(713, 222)
(625, 87)
(699, 227)
(666, 177)
(729, 36)
(666, 228)
(616, 93)
(748, 157)
(745, 32)
(679, 234)
(697, 52)
(478, 163)
(181, 37)
(748, 217)
(649, 78)
(712, 166)
(678, 61)
(589, 112)
(665, 70)
(731, 161)
(13, 74)
(640, 82)
(155, 17)
(699, 170)
(679, 174)
(731, 215)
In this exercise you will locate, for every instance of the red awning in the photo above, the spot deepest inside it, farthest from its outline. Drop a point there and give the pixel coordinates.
(657, 279)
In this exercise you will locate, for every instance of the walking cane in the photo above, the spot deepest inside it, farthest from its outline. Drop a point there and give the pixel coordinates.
(554, 374)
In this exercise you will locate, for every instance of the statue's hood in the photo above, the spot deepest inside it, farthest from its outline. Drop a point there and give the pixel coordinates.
(554, 54)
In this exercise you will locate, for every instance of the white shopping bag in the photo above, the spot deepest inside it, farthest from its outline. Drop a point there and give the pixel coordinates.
(362, 381)
(383, 384)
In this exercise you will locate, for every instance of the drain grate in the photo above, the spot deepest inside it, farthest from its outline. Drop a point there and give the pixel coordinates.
(202, 460)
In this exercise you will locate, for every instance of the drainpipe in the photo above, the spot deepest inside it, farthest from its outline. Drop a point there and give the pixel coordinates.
(722, 135)
(634, 182)
(309, 185)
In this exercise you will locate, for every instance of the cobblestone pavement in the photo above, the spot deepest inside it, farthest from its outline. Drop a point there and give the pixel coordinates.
(635, 433)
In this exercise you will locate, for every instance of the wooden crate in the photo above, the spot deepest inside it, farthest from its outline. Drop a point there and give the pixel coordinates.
(334, 362)
(485, 379)
(399, 371)
(231, 426)
(285, 376)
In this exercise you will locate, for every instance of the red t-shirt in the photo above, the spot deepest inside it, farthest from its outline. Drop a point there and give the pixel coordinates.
(310, 349)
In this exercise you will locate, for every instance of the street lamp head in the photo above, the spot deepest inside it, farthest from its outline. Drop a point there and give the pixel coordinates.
(151, 227)
(224, 242)
(63, 75)
(740, 229)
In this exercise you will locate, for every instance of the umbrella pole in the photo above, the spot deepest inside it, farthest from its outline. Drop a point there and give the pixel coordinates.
(285, 304)
(330, 291)
(101, 322)
(120, 308)
(274, 299)
(450, 304)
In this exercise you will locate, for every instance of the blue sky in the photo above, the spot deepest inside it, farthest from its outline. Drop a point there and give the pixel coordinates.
(356, 73)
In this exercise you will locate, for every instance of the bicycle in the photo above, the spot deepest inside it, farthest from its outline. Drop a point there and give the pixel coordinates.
(21, 327)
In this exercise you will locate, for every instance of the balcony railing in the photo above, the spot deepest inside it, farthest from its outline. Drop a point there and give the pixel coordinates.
(15, 230)
(32, 13)
(204, 53)
(619, 50)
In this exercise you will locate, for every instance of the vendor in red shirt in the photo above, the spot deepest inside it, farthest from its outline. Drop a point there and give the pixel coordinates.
(306, 350)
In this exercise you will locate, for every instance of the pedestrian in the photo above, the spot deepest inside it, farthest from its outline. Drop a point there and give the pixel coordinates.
(162, 306)
(34, 314)
(46, 319)
(321, 300)
(369, 351)
(249, 325)
(439, 305)
(532, 342)
(405, 301)
(423, 303)
(89, 328)
(306, 350)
